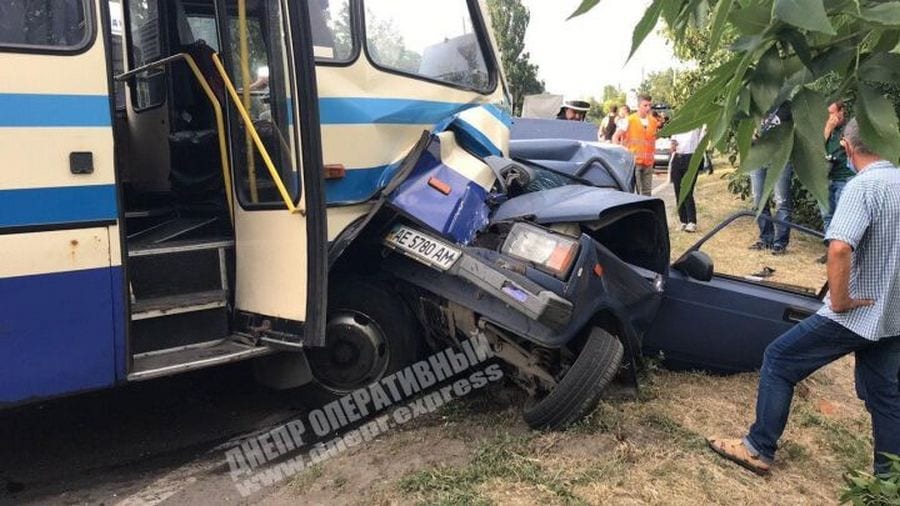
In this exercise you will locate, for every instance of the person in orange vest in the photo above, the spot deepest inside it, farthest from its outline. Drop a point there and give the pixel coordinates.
(639, 136)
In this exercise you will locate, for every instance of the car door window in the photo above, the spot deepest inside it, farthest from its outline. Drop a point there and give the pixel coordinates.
(800, 271)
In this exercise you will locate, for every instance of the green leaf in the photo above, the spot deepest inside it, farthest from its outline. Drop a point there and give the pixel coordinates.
(702, 108)
(835, 59)
(687, 122)
(720, 16)
(743, 105)
(670, 11)
(645, 25)
(772, 152)
(744, 137)
(767, 79)
(799, 42)
(752, 19)
(884, 13)
(810, 112)
(881, 68)
(887, 41)
(701, 14)
(585, 6)
(878, 123)
(807, 14)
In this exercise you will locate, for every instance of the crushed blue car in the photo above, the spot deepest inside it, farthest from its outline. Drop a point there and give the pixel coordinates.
(528, 246)
(542, 249)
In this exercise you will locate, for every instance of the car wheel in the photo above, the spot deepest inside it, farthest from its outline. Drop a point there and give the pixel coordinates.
(369, 334)
(578, 393)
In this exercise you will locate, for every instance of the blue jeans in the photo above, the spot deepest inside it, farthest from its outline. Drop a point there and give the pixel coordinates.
(810, 345)
(773, 234)
(835, 189)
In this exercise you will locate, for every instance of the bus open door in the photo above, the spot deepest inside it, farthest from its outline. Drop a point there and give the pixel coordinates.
(164, 217)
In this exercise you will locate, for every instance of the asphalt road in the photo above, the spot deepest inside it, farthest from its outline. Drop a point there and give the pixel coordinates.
(139, 444)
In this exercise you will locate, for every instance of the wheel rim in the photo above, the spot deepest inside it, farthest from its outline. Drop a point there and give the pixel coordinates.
(356, 353)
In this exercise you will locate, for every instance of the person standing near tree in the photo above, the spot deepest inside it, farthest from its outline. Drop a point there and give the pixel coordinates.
(683, 147)
(574, 110)
(861, 315)
(838, 173)
(638, 134)
(608, 125)
(775, 236)
(621, 124)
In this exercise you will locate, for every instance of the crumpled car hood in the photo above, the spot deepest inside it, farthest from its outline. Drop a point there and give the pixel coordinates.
(568, 204)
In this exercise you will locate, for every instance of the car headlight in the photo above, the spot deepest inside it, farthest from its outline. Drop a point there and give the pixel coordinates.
(549, 252)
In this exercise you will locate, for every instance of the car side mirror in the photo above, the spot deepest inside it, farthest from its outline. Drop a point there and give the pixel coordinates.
(696, 264)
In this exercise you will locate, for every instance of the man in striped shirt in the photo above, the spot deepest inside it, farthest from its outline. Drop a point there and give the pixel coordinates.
(861, 315)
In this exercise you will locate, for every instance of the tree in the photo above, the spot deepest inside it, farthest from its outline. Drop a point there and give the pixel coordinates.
(806, 51)
(510, 21)
(662, 86)
(597, 111)
(612, 96)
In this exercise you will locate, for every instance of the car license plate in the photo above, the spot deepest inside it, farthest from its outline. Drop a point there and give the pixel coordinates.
(422, 247)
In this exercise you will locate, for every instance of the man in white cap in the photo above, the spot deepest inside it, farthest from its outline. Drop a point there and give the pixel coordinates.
(573, 110)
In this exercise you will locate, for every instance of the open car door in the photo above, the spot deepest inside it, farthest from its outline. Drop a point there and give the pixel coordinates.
(721, 319)
(279, 211)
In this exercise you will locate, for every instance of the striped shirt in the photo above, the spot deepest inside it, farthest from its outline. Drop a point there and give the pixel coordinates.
(868, 219)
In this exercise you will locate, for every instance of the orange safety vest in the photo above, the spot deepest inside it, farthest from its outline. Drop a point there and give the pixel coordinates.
(641, 140)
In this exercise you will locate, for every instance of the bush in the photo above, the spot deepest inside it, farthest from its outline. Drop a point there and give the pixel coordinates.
(864, 489)
(806, 208)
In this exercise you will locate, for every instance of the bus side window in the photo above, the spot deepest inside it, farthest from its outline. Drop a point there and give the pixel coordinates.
(330, 21)
(50, 24)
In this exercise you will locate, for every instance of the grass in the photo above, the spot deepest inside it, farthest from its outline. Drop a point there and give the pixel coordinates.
(303, 481)
(505, 458)
(654, 452)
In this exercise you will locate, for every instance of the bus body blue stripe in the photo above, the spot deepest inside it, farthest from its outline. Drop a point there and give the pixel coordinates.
(48, 206)
(385, 111)
(39, 110)
(358, 185)
(58, 333)
(46, 110)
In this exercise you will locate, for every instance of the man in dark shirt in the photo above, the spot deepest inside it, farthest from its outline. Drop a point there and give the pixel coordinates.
(839, 173)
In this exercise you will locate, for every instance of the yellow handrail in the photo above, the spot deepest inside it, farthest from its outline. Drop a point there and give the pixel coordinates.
(248, 122)
(220, 122)
(244, 50)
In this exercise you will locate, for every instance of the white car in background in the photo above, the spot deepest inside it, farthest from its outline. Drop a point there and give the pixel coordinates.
(663, 153)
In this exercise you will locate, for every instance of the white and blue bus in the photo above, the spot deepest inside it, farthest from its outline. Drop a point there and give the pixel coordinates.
(173, 171)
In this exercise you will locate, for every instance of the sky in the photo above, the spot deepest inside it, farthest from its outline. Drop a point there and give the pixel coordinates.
(578, 58)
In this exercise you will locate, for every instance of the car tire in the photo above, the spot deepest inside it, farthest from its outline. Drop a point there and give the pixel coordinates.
(579, 391)
(370, 333)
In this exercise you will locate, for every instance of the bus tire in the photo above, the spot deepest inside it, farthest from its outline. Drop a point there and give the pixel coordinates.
(370, 333)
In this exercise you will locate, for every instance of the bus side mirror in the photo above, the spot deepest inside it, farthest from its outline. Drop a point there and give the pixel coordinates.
(696, 264)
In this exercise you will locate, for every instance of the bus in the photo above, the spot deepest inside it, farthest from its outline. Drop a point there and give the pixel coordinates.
(176, 175)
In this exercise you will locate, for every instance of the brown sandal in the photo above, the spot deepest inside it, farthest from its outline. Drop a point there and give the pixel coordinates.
(735, 451)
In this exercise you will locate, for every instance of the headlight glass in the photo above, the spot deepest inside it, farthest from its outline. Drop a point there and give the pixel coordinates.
(547, 251)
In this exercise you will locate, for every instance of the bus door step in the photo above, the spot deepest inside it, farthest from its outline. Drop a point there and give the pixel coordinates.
(166, 362)
(170, 230)
(159, 307)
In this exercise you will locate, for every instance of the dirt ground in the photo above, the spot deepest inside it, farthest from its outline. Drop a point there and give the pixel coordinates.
(648, 451)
